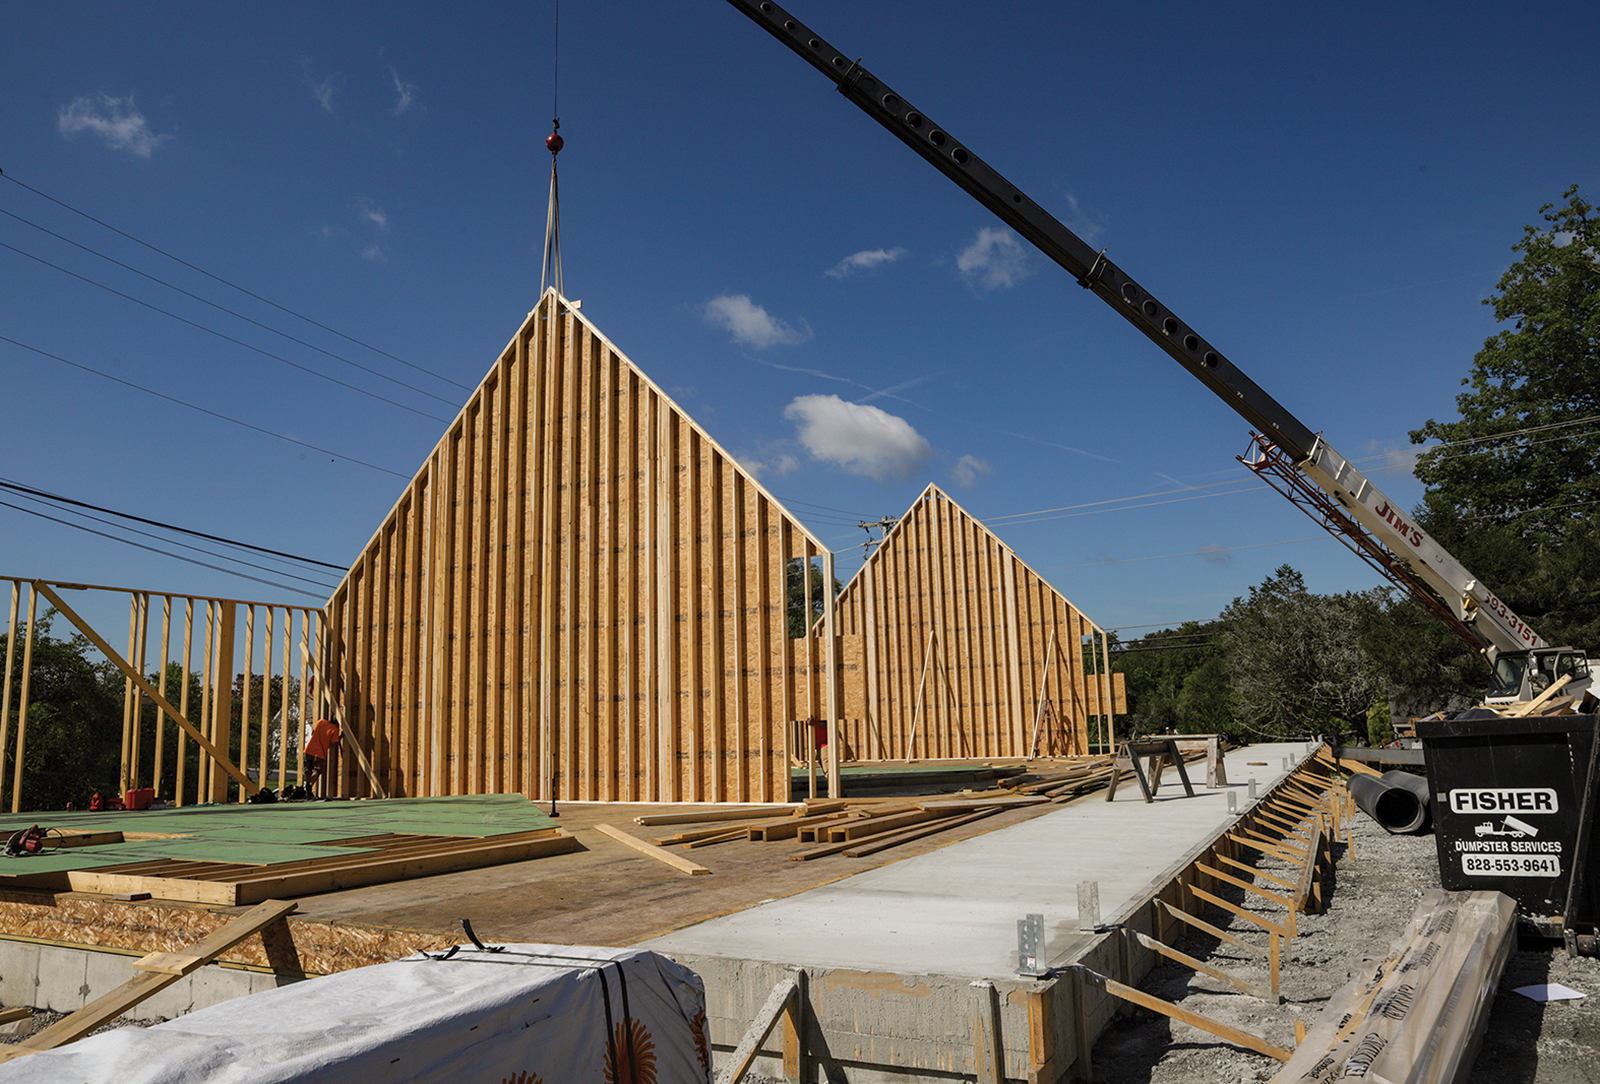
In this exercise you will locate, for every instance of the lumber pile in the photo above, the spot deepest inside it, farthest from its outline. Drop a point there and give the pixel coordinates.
(853, 827)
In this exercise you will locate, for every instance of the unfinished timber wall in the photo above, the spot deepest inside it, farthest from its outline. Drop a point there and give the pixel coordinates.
(579, 595)
(951, 646)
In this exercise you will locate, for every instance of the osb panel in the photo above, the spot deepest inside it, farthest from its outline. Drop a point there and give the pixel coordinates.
(579, 596)
(960, 643)
(317, 949)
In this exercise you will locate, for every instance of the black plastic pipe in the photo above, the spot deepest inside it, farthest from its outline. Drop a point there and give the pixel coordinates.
(1416, 785)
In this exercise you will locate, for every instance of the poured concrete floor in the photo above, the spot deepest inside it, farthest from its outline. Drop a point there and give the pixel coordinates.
(954, 911)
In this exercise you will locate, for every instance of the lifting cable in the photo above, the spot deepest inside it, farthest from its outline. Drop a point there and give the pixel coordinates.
(550, 276)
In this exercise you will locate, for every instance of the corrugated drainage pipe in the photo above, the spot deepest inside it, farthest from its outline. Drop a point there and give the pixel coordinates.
(1397, 809)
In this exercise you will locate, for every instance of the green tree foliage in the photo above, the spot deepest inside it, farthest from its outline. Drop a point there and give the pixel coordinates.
(1513, 490)
(1177, 681)
(74, 725)
(795, 595)
(1524, 454)
(1295, 660)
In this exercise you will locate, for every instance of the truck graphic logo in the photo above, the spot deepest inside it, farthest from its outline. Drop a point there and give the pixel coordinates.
(1503, 800)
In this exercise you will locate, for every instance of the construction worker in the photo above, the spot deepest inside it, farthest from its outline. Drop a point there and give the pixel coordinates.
(325, 737)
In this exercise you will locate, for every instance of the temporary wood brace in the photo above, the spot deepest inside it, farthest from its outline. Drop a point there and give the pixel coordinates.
(677, 862)
(157, 971)
(1204, 968)
(1193, 1019)
(783, 1001)
(1158, 752)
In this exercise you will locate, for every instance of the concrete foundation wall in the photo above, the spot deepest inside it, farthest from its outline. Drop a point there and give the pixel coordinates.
(64, 979)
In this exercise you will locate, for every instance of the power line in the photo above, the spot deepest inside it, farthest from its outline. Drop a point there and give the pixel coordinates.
(30, 491)
(164, 553)
(220, 308)
(230, 285)
(226, 338)
(200, 409)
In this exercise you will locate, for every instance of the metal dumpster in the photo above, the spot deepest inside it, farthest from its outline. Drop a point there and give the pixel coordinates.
(1514, 811)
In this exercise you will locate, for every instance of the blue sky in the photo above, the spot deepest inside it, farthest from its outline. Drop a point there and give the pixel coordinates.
(1326, 192)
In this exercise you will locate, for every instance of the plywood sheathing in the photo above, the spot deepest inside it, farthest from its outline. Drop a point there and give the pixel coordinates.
(949, 642)
(579, 596)
(318, 948)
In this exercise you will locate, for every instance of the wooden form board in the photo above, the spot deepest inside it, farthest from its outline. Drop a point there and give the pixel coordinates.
(949, 642)
(579, 596)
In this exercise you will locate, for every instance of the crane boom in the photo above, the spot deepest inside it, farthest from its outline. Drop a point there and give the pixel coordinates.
(1296, 461)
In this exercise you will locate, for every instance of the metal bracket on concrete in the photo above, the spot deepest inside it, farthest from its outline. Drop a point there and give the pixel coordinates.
(1089, 905)
(1030, 947)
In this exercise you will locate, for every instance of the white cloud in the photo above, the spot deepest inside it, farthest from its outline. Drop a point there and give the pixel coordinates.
(117, 121)
(404, 92)
(995, 258)
(371, 212)
(866, 260)
(751, 325)
(857, 438)
(969, 468)
(772, 467)
(321, 89)
(374, 252)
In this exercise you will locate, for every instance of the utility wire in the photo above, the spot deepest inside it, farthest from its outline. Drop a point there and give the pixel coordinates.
(202, 410)
(230, 285)
(164, 553)
(183, 545)
(30, 491)
(226, 338)
(223, 308)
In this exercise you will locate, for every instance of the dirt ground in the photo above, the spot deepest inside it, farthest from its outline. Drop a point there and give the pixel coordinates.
(1374, 893)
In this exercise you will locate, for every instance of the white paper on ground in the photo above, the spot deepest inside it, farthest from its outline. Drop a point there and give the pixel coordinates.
(1549, 991)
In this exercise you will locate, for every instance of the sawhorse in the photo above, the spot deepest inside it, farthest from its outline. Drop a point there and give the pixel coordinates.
(1157, 751)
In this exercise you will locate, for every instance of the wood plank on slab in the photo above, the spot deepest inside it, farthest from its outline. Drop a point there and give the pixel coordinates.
(650, 850)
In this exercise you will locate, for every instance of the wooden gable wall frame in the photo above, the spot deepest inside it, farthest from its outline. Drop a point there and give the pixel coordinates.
(950, 644)
(579, 596)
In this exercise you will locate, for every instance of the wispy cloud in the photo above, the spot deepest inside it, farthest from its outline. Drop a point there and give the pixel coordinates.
(1214, 554)
(374, 253)
(969, 468)
(751, 325)
(1089, 226)
(866, 260)
(859, 439)
(771, 465)
(996, 258)
(404, 92)
(117, 121)
(372, 213)
(323, 87)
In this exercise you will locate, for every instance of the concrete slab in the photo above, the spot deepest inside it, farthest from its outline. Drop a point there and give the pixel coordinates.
(954, 911)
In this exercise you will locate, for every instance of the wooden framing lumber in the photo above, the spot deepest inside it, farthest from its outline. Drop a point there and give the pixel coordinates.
(1204, 968)
(1193, 1019)
(677, 862)
(580, 595)
(777, 1004)
(895, 839)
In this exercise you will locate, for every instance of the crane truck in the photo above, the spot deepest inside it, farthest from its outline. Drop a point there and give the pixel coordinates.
(1283, 452)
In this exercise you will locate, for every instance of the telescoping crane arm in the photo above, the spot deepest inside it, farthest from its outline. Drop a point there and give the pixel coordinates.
(1296, 461)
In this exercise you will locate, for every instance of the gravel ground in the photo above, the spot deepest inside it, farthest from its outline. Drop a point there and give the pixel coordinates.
(1374, 894)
